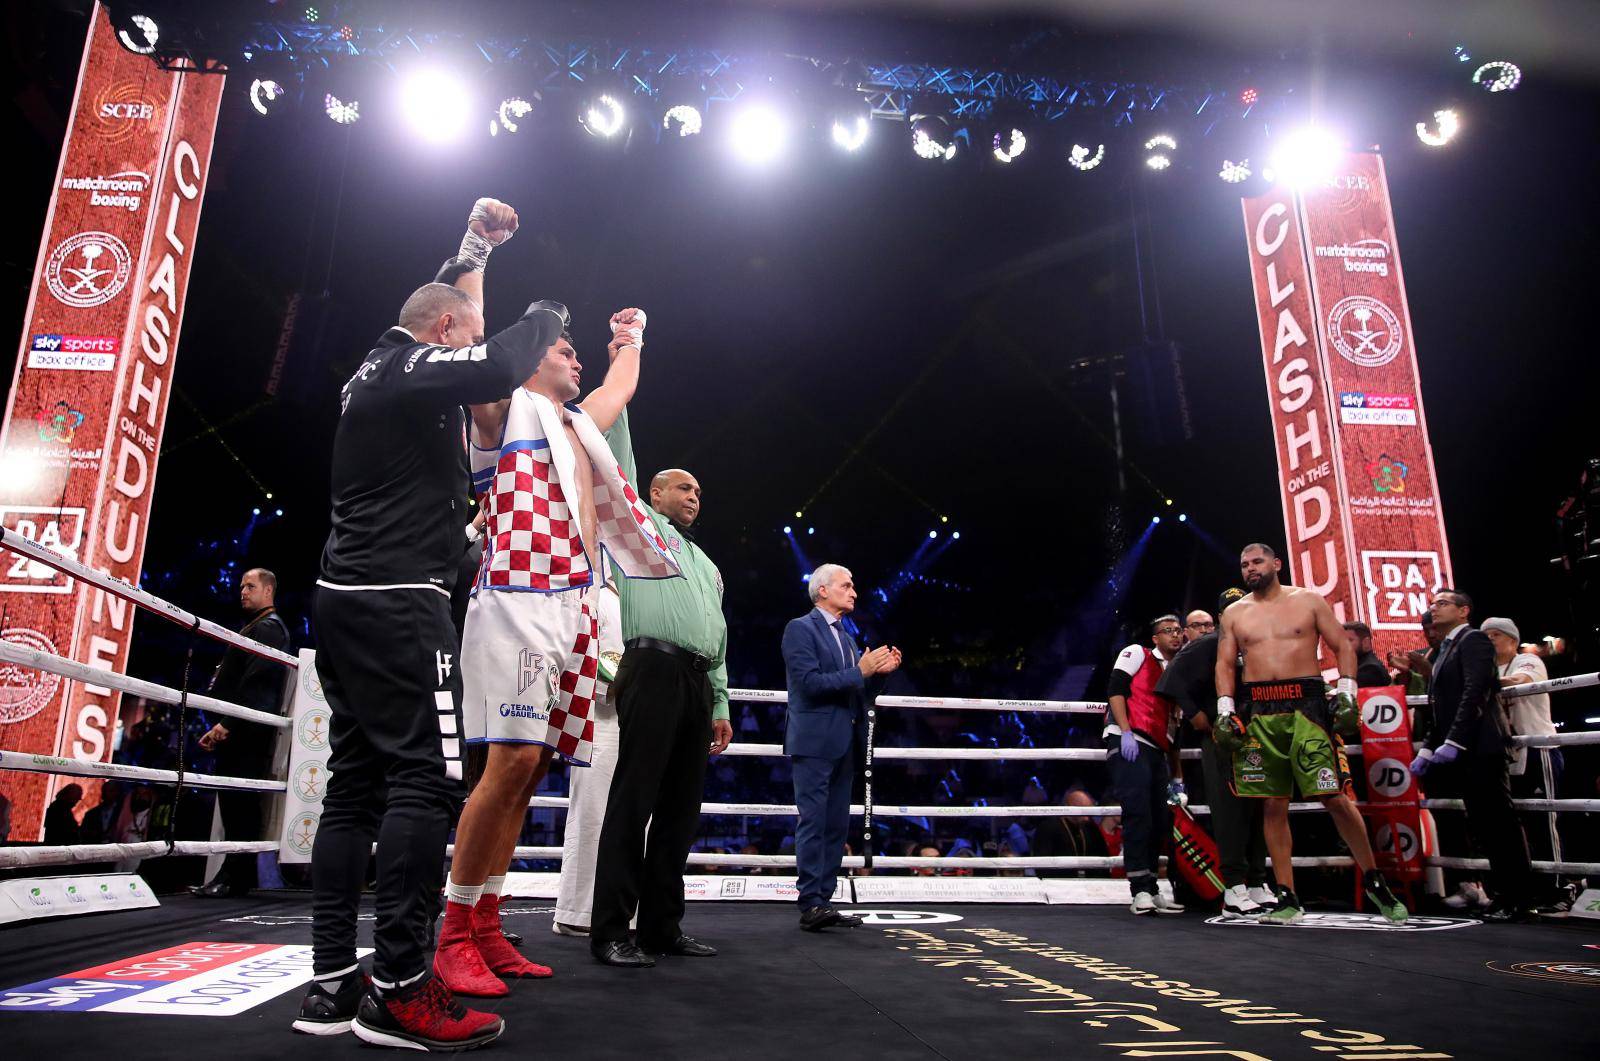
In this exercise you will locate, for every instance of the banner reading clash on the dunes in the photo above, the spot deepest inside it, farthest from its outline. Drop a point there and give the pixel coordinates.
(1364, 387)
(83, 425)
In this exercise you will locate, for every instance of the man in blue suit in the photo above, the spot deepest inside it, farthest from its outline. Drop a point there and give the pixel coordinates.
(830, 680)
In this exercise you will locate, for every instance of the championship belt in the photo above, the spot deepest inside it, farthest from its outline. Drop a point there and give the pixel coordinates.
(1195, 854)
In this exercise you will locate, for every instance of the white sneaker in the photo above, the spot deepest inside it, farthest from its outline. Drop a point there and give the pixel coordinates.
(1167, 906)
(1237, 902)
(1142, 904)
(1469, 896)
(1263, 897)
(562, 929)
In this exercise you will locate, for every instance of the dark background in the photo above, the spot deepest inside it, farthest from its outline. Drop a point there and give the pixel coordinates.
(880, 341)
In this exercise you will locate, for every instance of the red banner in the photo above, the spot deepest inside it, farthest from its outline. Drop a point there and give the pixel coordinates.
(84, 420)
(1308, 476)
(1337, 300)
(1391, 810)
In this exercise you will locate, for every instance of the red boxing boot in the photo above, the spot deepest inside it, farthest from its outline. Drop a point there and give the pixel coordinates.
(458, 963)
(497, 951)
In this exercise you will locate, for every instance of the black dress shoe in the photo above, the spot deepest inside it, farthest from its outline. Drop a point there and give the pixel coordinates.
(620, 954)
(818, 918)
(849, 921)
(1502, 913)
(684, 947)
(217, 889)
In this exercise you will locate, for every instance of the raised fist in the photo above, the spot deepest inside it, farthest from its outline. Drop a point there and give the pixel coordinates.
(627, 329)
(493, 220)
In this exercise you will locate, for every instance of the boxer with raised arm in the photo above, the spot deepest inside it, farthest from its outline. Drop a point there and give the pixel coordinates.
(1285, 743)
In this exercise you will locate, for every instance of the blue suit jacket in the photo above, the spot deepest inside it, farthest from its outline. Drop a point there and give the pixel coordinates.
(826, 697)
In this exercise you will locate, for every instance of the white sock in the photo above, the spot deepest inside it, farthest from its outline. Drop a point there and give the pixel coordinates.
(466, 894)
(492, 885)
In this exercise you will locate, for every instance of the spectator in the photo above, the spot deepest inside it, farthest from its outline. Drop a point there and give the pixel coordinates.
(60, 824)
(1070, 836)
(1414, 667)
(1535, 772)
(1198, 624)
(926, 851)
(1370, 671)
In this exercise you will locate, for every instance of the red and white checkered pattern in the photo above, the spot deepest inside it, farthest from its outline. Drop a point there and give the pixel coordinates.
(534, 541)
(571, 729)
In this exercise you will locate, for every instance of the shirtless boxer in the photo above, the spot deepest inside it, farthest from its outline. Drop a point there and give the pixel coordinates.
(1285, 742)
(529, 653)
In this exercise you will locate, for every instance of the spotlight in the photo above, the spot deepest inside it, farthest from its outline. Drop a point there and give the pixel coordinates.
(1249, 96)
(255, 512)
(1183, 517)
(788, 529)
(933, 534)
(269, 495)
(341, 112)
(811, 530)
(312, 14)
(346, 34)
(1169, 502)
(955, 535)
(1305, 156)
(436, 105)
(1497, 76)
(1235, 172)
(1007, 146)
(682, 119)
(263, 94)
(1079, 158)
(850, 135)
(1462, 55)
(944, 519)
(1448, 122)
(758, 134)
(797, 515)
(604, 116)
(509, 115)
(1158, 151)
(932, 138)
(280, 512)
(137, 33)
(1154, 520)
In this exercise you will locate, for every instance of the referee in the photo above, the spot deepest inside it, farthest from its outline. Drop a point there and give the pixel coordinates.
(671, 693)
(387, 648)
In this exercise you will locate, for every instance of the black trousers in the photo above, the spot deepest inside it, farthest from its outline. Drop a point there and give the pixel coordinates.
(246, 753)
(1141, 788)
(1235, 821)
(387, 661)
(664, 713)
(1483, 783)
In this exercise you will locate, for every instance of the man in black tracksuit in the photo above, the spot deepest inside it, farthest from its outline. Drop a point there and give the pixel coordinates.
(387, 648)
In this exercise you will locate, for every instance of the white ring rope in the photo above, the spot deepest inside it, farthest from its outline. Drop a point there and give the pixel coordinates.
(57, 855)
(10, 539)
(23, 656)
(56, 764)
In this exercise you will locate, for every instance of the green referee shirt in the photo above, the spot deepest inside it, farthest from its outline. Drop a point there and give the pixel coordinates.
(686, 611)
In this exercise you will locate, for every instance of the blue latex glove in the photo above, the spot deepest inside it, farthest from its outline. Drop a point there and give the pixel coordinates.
(1445, 753)
(1129, 747)
(1420, 764)
(1176, 794)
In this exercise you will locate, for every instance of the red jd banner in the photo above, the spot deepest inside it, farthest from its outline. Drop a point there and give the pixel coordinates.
(1355, 466)
(83, 423)
(1391, 809)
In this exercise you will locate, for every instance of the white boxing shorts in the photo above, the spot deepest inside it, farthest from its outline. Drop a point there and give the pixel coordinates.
(528, 670)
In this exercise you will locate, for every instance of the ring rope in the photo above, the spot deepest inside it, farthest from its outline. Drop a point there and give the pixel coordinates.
(57, 764)
(10, 539)
(22, 656)
(1569, 806)
(59, 855)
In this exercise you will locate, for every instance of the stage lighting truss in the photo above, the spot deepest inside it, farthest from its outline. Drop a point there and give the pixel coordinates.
(604, 116)
(932, 138)
(1007, 146)
(1446, 124)
(1080, 158)
(1497, 76)
(508, 116)
(1157, 151)
(264, 95)
(138, 34)
(850, 134)
(683, 120)
(1235, 172)
(342, 112)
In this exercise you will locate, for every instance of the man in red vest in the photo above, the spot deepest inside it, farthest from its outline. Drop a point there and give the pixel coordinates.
(1143, 759)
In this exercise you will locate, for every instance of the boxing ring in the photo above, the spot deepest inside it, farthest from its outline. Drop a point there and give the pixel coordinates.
(915, 981)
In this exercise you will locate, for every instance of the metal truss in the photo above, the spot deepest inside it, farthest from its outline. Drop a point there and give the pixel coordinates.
(892, 91)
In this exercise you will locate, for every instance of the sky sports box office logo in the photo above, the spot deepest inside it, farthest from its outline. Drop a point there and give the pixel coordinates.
(189, 980)
(1358, 407)
(87, 353)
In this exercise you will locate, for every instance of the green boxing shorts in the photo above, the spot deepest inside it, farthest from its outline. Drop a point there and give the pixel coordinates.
(1286, 745)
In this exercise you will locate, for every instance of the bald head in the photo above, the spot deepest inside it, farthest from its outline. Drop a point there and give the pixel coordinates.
(1079, 798)
(439, 313)
(676, 495)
